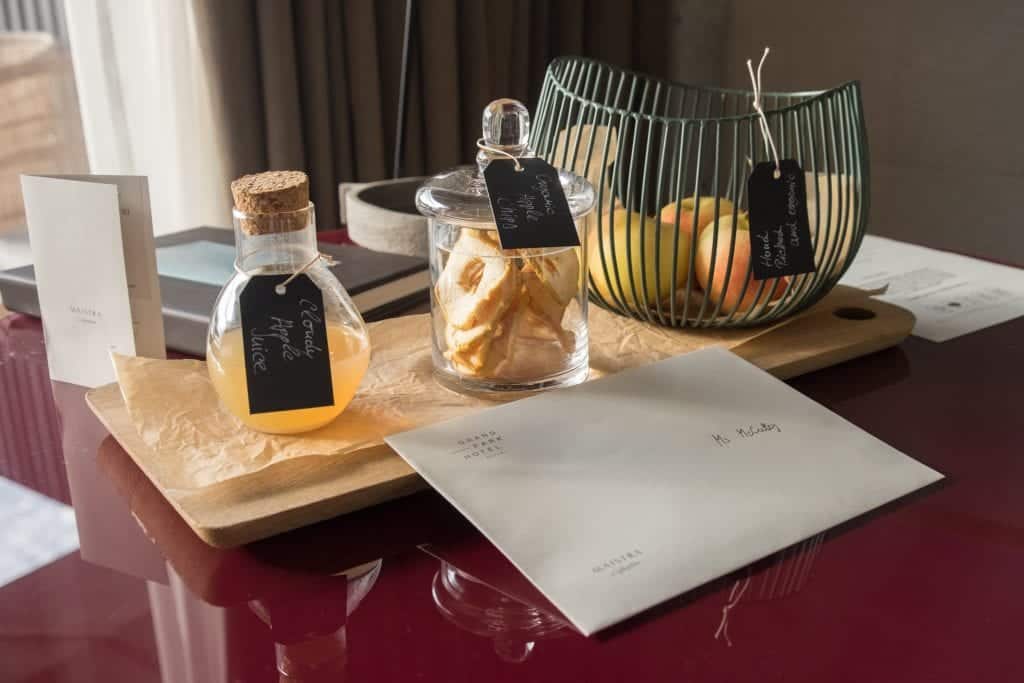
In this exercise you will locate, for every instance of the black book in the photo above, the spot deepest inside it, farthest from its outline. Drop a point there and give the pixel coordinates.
(381, 285)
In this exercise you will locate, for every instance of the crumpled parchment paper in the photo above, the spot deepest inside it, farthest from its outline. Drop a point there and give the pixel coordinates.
(196, 443)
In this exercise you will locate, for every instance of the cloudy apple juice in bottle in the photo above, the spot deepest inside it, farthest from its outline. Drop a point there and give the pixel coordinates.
(286, 348)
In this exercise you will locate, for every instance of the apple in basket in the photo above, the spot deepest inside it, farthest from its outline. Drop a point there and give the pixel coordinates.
(633, 262)
(740, 275)
(705, 210)
(832, 203)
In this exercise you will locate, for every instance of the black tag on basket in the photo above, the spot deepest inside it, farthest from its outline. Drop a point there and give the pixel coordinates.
(287, 361)
(529, 205)
(780, 237)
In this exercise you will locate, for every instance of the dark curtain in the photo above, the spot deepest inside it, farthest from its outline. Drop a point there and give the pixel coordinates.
(314, 84)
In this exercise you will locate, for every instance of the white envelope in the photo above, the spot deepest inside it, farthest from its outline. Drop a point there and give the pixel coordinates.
(620, 493)
(95, 269)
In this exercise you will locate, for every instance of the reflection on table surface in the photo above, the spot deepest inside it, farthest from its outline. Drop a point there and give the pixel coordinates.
(923, 589)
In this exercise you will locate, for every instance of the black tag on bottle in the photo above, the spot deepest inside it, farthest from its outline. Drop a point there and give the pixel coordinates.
(287, 361)
(780, 237)
(529, 205)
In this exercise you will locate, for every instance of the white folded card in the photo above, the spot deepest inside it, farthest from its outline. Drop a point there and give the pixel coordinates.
(95, 269)
(615, 495)
(949, 294)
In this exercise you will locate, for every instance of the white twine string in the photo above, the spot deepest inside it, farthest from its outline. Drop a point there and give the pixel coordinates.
(282, 287)
(484, 146)
(765, 130)
(735, 595)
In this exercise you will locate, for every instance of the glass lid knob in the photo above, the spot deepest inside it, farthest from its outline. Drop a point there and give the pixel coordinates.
(506, 123)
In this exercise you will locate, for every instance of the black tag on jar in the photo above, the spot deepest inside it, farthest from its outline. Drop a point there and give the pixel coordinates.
(780, 236)
(529, 205)
(287, 361)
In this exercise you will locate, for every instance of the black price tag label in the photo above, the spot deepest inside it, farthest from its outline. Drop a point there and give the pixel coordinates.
(780, 237)
(287, 361)
(529, 205)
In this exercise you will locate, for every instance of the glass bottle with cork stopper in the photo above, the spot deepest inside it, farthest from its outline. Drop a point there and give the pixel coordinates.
(515, 318)
(286, 347)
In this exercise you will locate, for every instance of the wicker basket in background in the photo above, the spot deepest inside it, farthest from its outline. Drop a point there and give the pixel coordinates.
(40, 128)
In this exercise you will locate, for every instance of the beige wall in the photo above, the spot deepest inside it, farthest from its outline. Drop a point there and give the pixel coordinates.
(943, 86)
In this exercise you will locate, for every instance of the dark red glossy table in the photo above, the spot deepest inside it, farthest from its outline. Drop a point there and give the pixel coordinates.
(926, 589)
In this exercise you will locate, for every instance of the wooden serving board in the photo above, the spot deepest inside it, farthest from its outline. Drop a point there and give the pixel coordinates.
(296, 493)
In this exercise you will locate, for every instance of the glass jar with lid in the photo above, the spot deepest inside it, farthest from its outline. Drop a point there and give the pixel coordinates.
(503, 319)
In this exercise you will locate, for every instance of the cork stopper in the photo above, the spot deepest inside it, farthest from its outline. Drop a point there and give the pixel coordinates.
(273, 201)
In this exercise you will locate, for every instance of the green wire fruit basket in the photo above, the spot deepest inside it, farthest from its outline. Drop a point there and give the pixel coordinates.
(669, 240)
